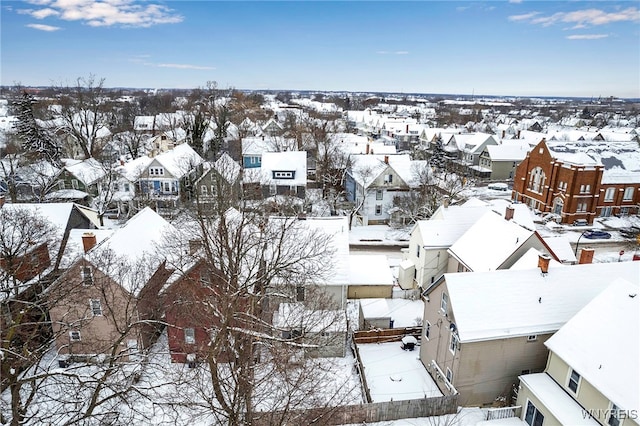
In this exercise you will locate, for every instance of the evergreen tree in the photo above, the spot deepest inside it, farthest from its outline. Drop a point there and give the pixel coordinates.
(37, 143)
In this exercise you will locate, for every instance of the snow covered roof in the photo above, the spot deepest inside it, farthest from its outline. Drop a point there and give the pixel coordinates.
(88, 171)
(489, 242)
(137, 243)
(297, 316)
(295, 161)
(366, 168)
(134, 168)
(530, 259)
(565, 409)
(510, 303)
(561, 247)
(511, 150)
(403, 312)
(180, 160)
(369, 269)
(74, 248)
(445, 230)
(338, 228)
(227, 167)
(256, 145)
(614, 313)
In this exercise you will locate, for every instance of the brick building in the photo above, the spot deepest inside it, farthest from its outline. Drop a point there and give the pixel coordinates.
(574, 186)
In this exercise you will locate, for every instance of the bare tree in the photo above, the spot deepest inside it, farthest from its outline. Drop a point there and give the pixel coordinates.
(254, 268)
(85, 114)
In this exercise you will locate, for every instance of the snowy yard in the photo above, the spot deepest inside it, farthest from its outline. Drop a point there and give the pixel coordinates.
(167, 393)
(395, 374)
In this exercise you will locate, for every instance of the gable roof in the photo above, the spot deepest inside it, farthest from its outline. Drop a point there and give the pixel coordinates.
(369, 269)
(88, 171)
(180, 160)
(135, 247)
(614, 313)
(510, 303)
(489, 242)
(295, 161)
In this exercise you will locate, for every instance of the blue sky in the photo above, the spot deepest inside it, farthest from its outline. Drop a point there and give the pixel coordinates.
(519, 48)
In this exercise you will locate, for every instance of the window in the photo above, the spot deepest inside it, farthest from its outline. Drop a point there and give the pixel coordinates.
(166, 186)
(283, 175)
(524, 372)
(606, 211)
(87, 275)
(614, 415)
(300, 293)
(628, 193)
(379, 194)
(203, 189)
(609, 194)
(96, 307)
(156, 171)
(585, 189)
(61, 185)
(417, 250)
(537, 179)
(558, 204)
(189, 336)
(532, 338)
(74, 183)
(582, 207)
(272, 189)
(574, 381)
(453, 343)
(449, 375)
(427, 329)
(213, 190)
(74, 336)
(126, 187)
(444, 302)
(532, 416)
(204, 279)
(378, 209)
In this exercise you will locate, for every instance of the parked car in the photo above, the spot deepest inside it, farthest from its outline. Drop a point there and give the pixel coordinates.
(597, 235)
(580, 222)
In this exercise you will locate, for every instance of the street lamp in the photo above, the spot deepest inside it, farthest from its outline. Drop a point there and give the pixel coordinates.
(577, 242)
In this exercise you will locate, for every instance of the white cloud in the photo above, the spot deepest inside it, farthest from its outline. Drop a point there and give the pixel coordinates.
(43, 27)
(524, 17)
(586, 36)
(515, 1)
(581, 18)
(105, 13)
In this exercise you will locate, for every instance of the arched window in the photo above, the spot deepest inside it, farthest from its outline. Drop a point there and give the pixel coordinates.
(557, 205)
(537, 179)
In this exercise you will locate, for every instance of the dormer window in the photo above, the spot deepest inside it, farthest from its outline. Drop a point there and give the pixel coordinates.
(283, 174)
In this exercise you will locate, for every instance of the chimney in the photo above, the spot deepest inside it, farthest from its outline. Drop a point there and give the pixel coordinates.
(508, 214)
(121, 162)
(1, 201)
(504, 132)
(367, 151)
(518, 134)
(445, 202)
(386, 159)
(407, 132)
(586, 256)
(543, 263)
(88, 241)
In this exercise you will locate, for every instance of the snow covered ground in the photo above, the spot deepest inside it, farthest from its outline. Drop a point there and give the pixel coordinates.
(395, 374)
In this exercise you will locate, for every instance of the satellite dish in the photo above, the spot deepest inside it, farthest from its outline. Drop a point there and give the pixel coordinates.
(452, 327)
